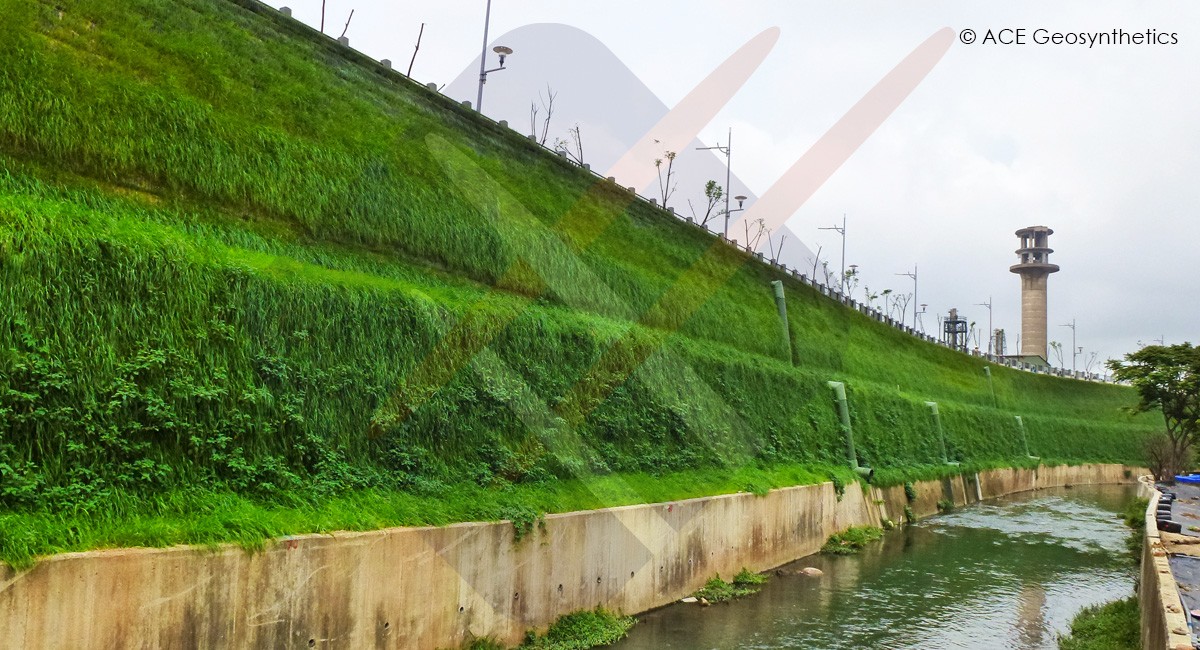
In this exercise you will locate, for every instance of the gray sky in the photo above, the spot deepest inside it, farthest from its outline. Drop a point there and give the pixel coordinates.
(1100, 144)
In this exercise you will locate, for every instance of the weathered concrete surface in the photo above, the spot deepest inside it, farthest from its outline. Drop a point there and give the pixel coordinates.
(438, 587)
(1164, 623)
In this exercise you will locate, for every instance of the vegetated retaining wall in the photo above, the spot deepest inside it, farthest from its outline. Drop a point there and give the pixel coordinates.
(438, 587)
(1164, 623)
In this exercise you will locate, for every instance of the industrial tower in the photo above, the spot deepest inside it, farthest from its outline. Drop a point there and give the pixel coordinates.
(1034, 267)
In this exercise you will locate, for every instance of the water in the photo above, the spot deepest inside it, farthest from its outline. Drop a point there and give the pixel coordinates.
(1010, 573)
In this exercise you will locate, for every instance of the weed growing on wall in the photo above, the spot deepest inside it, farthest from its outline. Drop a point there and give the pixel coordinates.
(852, 540)
(581, 630)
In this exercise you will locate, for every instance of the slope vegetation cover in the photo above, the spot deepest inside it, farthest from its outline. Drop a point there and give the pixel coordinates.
(251, 284)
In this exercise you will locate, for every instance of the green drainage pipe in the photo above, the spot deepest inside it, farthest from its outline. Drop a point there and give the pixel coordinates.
(1024, 438)
(937, 427)
(843, 406)
(987, 370)
(781, 305)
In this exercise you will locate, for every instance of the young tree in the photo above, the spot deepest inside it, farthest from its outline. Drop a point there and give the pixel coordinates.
(850, 281)
(573, 147)
(777, 252)
(1057, 349)
(1167, 379)
(871, 297)
(900, 304)
(416, 49)
(666, 181)
(754, 233)
(713, 193)
(547, 106)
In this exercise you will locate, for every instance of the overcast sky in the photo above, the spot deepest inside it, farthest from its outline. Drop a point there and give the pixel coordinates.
(1099, 143)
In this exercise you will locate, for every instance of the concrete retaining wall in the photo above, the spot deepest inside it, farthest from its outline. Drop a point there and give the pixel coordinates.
(1164, 624)
(438, 587)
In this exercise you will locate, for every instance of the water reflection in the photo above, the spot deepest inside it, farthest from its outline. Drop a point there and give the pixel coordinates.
(1008, 574)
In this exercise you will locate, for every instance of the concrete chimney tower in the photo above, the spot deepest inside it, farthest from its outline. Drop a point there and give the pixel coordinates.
(1034, 267)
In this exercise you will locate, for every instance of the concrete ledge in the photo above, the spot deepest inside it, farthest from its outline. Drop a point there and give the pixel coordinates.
(438, 587)
(1164, 623)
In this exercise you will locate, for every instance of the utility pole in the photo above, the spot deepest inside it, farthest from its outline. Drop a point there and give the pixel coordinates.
(728, 151)
(1074, 350)
(912, 275)
(991, 332)
(842, 231)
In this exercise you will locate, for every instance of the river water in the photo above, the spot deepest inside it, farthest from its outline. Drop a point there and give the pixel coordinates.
(1010, 573)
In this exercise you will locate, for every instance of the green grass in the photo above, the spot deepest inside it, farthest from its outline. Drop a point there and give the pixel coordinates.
(205, 516)
(236, 263)
(581, 630)
(745, 583)
(1135, 514)
(852, 540)
(1115, 626)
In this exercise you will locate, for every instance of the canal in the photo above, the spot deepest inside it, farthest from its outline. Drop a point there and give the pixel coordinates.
(1009, 573)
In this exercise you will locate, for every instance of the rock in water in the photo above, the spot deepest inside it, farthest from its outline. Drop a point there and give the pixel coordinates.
(812, 571)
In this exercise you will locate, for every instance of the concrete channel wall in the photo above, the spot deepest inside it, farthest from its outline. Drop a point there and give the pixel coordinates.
(1164, 623)
(440, 587)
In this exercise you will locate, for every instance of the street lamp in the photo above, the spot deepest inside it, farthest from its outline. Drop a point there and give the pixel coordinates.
(991, 332)
(1074, 350)
(912, 275)
(842, 231)
(728, 151)
(499, 49)
(919, 320)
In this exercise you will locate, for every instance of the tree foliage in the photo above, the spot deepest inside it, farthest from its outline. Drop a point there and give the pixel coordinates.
(1167, 378)
(713, 193)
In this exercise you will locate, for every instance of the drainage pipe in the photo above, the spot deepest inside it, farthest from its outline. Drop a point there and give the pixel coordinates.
(843, 407)
(987, 370)
(1024, 438)
(937, 428)
(781, 305)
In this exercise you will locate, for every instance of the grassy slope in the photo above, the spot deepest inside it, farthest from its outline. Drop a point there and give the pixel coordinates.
(228, 256)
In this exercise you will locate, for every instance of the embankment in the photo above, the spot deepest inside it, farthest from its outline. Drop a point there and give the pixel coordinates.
(439, 587)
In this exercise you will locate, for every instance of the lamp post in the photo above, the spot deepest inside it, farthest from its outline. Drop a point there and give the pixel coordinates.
(913, 275)
(741, 199)
(728, 151)
(1074, 350)
(499, 49)
(991, 332)
(842, 231)
(919, 319)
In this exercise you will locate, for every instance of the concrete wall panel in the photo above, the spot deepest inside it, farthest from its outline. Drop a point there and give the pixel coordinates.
(438, 587)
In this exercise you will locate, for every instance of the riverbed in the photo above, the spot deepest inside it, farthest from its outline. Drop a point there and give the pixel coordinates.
(1009, 573)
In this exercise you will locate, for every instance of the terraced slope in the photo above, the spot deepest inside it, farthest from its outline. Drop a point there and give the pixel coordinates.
(243, 270)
